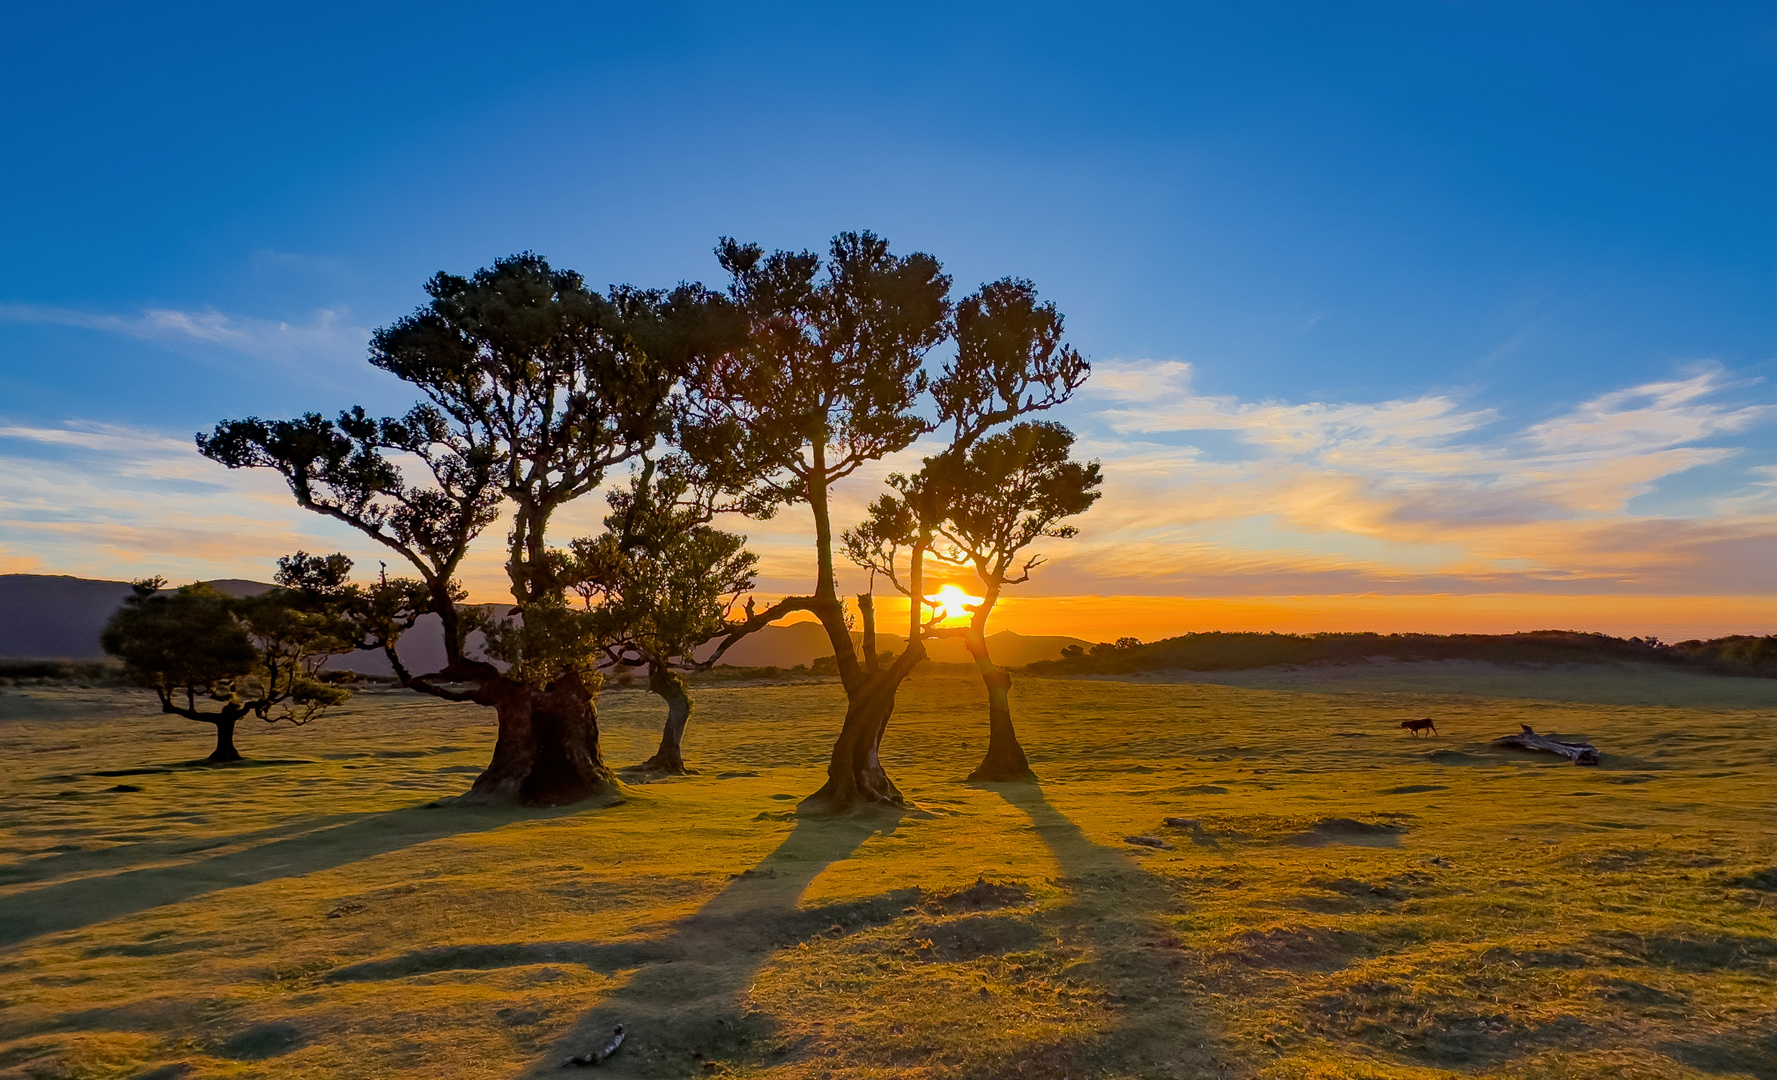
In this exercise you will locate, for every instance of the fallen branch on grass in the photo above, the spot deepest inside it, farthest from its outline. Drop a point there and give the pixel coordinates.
(598, 1056)
(1148, 841)
(1580, 753)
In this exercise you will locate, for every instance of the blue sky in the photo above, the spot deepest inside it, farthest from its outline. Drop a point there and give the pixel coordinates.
(1519, 209)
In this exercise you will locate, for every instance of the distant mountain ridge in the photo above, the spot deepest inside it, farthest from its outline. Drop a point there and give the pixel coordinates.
(1216, 651)
(56, 617)
(45, 617)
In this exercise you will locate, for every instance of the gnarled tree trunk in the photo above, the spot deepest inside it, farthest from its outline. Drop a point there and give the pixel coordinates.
(547, 750)
(671, 688)
(225, 751)
(855, 776)
(547, 753)
(1005, 758)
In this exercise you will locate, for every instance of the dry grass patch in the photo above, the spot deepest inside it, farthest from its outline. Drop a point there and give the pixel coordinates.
(1345, 901)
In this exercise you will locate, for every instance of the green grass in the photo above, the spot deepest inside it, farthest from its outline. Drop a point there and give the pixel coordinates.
(1352, 902)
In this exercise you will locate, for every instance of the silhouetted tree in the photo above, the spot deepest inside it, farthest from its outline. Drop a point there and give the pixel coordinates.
(826, 380)
(1010, 490)
(250, 656)
(534, 387)
(829, 377)
(1010, 361)
(664, 582)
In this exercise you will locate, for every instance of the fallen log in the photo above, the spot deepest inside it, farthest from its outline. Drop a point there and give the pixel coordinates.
(1580, 753)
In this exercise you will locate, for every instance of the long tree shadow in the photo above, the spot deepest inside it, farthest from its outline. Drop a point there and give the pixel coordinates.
(1135, 958)
(686, 1005)
(682, 1005)
(119, 858)
(83, 901)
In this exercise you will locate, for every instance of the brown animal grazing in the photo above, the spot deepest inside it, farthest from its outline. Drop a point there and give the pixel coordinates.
(1416, 726)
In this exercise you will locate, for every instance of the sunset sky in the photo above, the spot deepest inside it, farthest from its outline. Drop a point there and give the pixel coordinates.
(1403, 316)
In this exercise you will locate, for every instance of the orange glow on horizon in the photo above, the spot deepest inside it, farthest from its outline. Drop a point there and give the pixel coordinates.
(1152, 618)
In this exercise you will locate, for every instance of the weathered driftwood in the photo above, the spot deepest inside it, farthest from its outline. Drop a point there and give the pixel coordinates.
(1580, 753)
(598, 1056)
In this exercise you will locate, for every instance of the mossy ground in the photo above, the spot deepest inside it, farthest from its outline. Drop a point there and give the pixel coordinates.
(1352, 902)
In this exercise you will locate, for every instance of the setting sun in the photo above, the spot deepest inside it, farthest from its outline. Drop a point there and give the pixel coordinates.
(952, 603)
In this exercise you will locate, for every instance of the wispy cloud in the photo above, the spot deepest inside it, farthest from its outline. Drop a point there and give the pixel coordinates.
(105, 500)
(325, 335)
(1414, 493)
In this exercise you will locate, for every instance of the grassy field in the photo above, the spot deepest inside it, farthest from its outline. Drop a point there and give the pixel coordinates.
(1352, 902)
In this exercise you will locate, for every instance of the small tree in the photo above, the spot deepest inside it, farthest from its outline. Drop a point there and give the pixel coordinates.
(1010, 490)
(252, 656)
(664, 582)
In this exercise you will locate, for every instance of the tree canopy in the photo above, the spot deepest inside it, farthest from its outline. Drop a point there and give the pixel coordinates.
(248, 656)
(533, 387)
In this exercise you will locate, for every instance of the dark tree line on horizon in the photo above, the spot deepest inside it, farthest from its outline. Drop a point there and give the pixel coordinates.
(535, 391)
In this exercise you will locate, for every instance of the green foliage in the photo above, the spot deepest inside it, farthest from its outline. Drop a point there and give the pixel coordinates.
(1009, 490)
(351, 469)
(988, 501)
(554, 378)
(1010, 361)
(544, 641)
(188, 640)
(259, 654)
(1739, 652)
(533, 387)
(46, 672)
(661, 579)
(830, 362)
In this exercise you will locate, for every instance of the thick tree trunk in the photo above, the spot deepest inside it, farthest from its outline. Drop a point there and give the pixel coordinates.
(671, 689)
(225, 751)
(1005, 758)
(855, 776)
(547, 753)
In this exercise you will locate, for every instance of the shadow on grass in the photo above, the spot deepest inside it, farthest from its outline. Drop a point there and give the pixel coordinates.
(119, 858)
(687, 1005)
(69, 905)
(1134, 958)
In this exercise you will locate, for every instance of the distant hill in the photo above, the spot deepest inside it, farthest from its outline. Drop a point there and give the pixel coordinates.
(1008, 649)
(55, 617)
(1739, 655)
(805, 642)
(45, 617)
